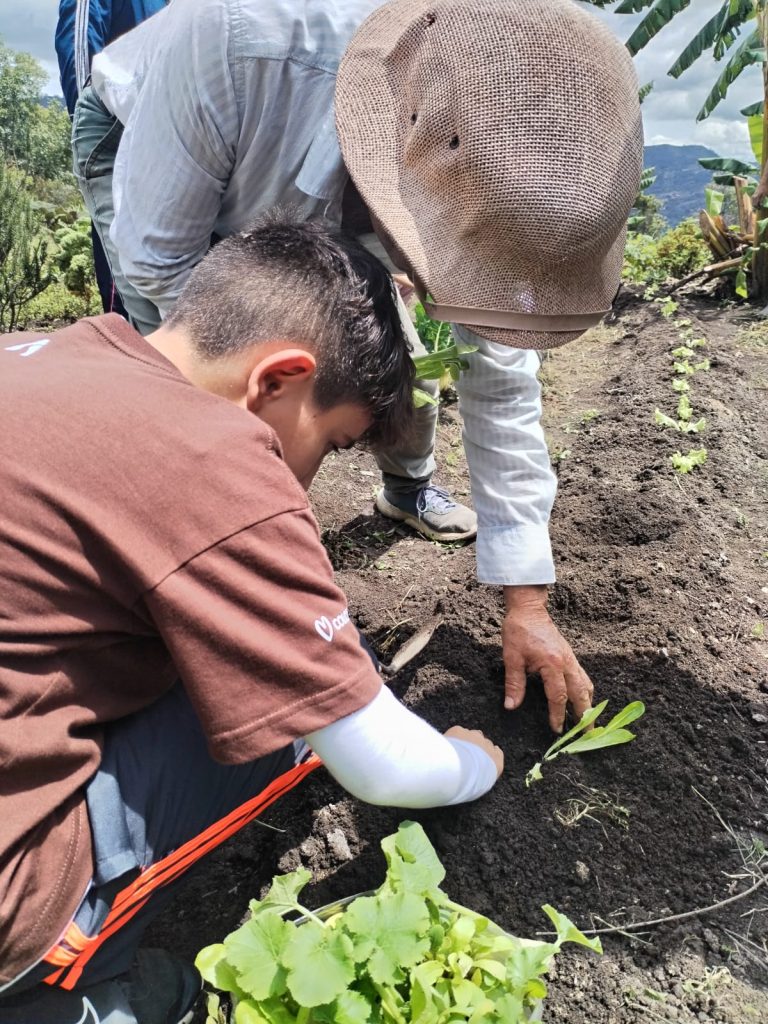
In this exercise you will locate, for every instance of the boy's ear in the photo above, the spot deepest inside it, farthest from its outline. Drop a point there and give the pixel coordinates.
(275, 374)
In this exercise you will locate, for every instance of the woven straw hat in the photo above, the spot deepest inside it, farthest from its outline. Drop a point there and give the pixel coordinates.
(499, 143)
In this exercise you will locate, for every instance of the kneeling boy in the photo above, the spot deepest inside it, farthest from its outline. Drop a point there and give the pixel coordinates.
(174, 653)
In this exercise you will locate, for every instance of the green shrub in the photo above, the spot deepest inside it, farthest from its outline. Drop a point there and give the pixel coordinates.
(24, 270)
(682, 250)
(677, 253)
(640, 260)
(58, 304)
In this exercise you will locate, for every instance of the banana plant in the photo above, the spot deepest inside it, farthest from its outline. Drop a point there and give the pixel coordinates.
(737, 34)
(577, 741)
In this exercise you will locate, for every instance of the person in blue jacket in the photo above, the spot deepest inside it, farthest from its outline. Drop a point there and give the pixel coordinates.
(84, 28)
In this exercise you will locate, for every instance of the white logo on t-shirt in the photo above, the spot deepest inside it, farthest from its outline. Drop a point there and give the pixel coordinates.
(327, 627)
(28, 348)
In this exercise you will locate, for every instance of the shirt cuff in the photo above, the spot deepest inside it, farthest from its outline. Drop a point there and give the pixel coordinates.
(517, 555)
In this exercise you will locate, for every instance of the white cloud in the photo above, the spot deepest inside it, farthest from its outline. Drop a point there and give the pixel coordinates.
(30, 25)
(669, 113)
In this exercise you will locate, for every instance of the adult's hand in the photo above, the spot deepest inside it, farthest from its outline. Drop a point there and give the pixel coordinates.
(533, 643)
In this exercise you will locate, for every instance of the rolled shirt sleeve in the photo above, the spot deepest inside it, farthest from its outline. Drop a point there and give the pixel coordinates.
(513, 486)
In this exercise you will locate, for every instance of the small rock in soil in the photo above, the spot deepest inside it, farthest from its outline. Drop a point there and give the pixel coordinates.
(338, 845)
(582, 872)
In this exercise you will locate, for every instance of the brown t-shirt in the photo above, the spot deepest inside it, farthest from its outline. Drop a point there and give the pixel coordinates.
(149, 531)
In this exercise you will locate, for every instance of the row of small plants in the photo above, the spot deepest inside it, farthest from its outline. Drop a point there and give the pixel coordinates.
(687, 361)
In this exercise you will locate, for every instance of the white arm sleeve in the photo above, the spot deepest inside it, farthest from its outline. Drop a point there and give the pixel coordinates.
(385, 754)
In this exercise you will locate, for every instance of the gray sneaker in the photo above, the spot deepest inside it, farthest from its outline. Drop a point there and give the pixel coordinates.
(159, 989)
(431, 511)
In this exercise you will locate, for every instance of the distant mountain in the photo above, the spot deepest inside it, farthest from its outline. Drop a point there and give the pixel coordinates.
(680, 179)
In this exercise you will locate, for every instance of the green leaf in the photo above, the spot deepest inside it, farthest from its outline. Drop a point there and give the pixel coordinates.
(662, 420)
(283, 895)
(254, 950)
(717, 32)
(684, 410)
(568, 932)
(422, 398)
(586, 719)
(591, 741)
(684, 368)
(534, 775)
(681, 385)
(755, 124)
(713, 201)
(750, 52)
(728, 165)
(683, 352)
(662, 12)
(320, 963)
(352, 1008)
(687, 463)
(247, 1012)
(629, 714)
(393, 929)
(412, 864)
(214, 968)
(694, 428)
(741, 283)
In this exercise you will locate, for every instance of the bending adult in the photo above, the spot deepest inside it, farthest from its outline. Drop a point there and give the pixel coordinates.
(497, 142)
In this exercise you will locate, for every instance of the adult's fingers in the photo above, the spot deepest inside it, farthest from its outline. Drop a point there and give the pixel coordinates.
(514, 680)
(557, 696)
(580, 689)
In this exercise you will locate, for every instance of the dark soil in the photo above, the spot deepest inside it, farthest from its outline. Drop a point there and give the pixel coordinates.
(663, 592)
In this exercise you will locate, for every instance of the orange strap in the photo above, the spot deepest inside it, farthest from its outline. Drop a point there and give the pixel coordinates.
(75, 949)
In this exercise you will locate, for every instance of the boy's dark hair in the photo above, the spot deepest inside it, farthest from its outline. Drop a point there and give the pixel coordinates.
(307, 283)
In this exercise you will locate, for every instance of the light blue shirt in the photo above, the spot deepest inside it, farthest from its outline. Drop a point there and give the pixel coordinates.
(228, 112)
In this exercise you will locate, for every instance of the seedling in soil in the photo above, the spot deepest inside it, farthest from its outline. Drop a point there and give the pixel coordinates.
(444, 364)
(687, 463)
(576, 741)
(683, 423)
(406, 953)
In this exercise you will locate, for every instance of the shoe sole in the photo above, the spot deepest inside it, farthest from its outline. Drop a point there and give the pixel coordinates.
(393, 512)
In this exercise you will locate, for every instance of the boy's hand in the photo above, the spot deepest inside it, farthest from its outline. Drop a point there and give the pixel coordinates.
(475, 736)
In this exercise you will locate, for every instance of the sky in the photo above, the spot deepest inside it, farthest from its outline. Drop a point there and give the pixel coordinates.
(669, 112)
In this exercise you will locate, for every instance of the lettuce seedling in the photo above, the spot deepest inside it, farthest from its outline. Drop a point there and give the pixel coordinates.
(577, 741)
(444, 364)
(687, 463)
(405, 954)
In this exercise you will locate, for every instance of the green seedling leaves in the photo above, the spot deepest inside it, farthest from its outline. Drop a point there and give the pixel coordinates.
(662, 420)
(681, 384)
(627, 715)
(390, 931)
(565, 928)
(412, 863)
(687, 463)
(255, 952)
(283, 895)
(406, 955)
(422, 398)
(320, 963)
(578, 741)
